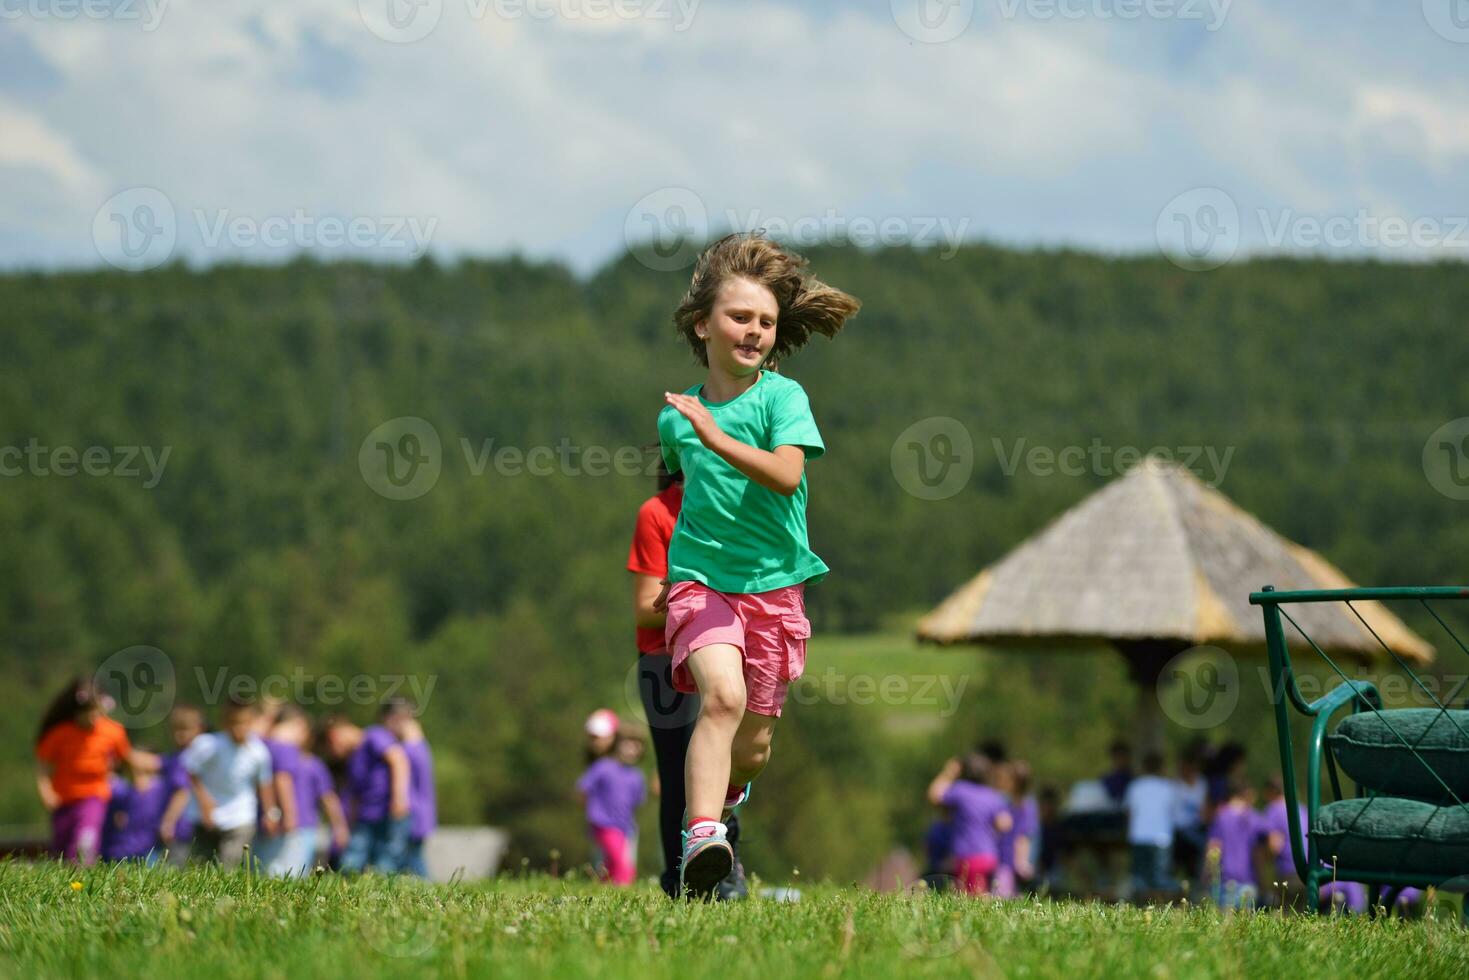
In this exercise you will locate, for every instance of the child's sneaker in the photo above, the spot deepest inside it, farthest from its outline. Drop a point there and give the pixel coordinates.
(707, 859)
(734, 887)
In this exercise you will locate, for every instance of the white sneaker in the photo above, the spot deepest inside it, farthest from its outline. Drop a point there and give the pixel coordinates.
(707, 860)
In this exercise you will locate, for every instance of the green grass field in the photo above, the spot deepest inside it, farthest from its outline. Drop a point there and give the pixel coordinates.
(129, 922)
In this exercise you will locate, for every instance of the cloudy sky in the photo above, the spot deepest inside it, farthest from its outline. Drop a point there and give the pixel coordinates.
(134, 131)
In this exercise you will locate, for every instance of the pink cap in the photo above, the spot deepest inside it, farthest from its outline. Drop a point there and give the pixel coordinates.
(602, 723)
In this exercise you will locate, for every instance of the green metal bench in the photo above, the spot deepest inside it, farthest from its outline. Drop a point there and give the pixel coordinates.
(1409, 822)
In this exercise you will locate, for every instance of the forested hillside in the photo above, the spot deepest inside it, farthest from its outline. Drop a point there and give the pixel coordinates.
(258, 545)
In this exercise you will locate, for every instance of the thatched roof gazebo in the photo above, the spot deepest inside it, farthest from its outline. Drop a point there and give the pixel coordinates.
(1152, 564)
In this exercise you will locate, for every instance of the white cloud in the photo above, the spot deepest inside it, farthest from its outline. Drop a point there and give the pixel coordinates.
(30, 142)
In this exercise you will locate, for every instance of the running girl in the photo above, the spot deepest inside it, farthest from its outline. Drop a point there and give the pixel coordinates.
(77, 746)
(739, 559)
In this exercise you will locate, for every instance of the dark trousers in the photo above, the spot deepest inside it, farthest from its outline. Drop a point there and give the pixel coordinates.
(1151, 865)
(671, 716)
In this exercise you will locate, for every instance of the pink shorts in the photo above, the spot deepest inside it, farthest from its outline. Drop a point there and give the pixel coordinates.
(770, 629)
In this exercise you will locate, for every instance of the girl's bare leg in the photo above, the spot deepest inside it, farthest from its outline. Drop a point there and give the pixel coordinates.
(751, 750)
(718, 670)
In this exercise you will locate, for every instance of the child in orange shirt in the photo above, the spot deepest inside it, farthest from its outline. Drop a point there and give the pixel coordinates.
(77, 746)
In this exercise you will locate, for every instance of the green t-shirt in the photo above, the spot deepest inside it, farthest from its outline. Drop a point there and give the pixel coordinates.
(733, 534)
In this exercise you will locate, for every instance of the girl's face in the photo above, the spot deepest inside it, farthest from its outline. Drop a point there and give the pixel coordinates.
(629, 751)
(740, 329)
(600, 744)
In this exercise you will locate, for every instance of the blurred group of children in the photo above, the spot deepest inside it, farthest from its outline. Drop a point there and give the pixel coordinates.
(1204, 825)
(987, 840)
(263, 786)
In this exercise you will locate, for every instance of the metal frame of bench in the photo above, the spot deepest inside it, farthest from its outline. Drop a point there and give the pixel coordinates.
(1356, 694)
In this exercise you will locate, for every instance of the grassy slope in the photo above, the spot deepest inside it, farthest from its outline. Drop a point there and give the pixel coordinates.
(161, 924)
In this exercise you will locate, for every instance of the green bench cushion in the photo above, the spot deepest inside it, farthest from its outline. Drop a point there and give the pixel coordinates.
(1369, 752)
(1389, 834)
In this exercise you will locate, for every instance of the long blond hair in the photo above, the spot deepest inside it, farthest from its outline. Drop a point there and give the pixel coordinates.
(807, 305)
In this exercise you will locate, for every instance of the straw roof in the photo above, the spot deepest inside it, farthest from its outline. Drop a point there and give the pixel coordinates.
(1157, 555)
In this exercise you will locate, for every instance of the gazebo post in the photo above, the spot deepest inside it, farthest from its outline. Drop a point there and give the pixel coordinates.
(1145, 662)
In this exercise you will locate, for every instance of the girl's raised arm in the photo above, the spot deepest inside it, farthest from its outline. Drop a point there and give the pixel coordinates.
(779, 470)
(943, 781)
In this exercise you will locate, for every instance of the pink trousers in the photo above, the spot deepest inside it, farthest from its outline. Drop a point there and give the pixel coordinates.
(616, 855)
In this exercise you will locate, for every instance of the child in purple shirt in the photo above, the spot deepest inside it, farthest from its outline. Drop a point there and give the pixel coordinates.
(377, 781)
(423, 811)
(1018, 844)
(303, 784)
(613, 788)
(1232, 838)
(980, 815)
(1275, 827)
(133, 816)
